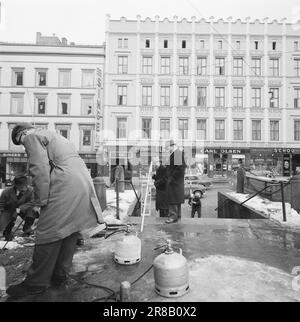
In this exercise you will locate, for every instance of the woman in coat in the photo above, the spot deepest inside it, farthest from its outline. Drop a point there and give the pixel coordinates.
(64, 191)
(160, 183)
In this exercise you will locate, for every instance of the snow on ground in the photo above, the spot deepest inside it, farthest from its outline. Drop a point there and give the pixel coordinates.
(127, 201)
(270, 209)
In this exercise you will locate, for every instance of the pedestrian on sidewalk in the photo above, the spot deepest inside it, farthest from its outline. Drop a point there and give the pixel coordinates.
(17, 201)
(160, 183)
(195, 203)
(64, 190)
(175, 181)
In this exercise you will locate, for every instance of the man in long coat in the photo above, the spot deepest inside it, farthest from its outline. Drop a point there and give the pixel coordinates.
(175, 182)
(160, 183)
(64, 190)
(16, 201)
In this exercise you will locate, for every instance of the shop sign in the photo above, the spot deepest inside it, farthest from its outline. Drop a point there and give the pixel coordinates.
(224, 151)
(284, 151)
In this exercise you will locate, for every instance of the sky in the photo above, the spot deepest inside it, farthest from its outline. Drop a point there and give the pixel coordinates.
(83, 21)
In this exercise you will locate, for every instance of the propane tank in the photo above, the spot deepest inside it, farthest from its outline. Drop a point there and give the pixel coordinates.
(128, 250)
(171, 273)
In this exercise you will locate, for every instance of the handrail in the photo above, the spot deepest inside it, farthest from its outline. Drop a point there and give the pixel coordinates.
(146, 195)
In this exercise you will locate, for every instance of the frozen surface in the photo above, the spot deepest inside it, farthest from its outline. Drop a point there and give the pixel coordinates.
(270, 209)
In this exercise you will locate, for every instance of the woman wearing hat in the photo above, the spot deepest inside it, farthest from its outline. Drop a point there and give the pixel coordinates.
(64, 190)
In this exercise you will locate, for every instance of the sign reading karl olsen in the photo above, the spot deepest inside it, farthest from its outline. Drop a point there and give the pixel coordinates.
(98, 114)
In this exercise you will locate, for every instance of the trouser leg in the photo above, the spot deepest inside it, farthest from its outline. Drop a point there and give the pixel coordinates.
(65, 257)
(174, 211)
(193, 213)
(199, 212)
(8, 229)
(43, 264)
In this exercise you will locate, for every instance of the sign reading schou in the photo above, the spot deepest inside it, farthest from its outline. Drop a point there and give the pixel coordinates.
(284, 151)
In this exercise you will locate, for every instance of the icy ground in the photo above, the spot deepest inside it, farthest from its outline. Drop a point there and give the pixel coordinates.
(270, 209)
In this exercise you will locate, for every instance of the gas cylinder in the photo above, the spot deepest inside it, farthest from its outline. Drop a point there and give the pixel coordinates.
(171, 273)
(128, 250)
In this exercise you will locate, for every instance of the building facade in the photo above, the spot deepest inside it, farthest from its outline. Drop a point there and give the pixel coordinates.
(223, 89)
(55, 85)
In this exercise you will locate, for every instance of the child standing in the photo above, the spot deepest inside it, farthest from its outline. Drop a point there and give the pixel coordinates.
(195, 203)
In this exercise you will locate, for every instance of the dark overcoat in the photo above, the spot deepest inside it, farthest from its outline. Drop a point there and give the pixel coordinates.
(160, 183)
(9, 202)
(175, 177)
(62, 187)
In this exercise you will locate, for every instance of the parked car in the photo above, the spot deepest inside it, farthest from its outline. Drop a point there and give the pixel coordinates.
(193, 183)
(197, 180)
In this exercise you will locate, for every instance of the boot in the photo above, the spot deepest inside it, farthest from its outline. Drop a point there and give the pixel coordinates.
(22, 289)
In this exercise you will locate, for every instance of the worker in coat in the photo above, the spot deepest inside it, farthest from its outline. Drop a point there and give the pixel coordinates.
(160, 183)
(17, 201)
(175, 181)
(64, 190)
(120, 176)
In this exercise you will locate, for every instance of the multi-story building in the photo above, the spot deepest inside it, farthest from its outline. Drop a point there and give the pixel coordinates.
(224, 90)
(54, 85)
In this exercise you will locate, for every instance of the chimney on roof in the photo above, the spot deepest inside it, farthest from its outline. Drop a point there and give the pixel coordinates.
(64, 41)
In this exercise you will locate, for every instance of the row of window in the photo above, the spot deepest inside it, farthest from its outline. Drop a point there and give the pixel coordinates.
(41, 77)
(201, 130)
(220, 101)
(219, 68)
(204, 44)
(86, 135)
(64, 104)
